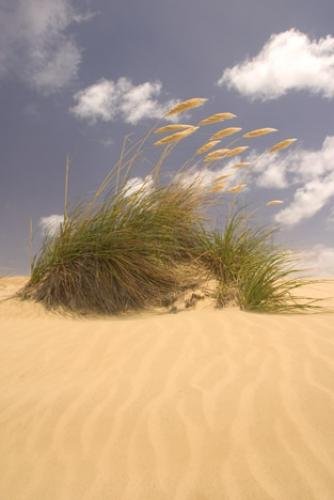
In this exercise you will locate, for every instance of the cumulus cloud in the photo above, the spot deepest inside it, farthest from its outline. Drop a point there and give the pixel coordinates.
(290, 60)
(50, 225)
(307, 174)
(318, 260)
(107, 100)
(308, 200)
(310, 173)
(36, 46)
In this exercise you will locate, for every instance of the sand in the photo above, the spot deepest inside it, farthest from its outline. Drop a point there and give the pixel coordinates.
(201, 405)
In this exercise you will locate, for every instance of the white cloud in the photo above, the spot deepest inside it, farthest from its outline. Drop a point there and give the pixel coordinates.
(36, 46)
(271, 170)
(308, 200)
(290, 60)
(310, 172)
(136, 184)
(50, 225)
(107, 100)
(318, 261)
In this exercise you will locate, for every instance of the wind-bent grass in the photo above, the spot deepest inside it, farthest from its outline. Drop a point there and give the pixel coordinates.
(129, 253)
(251, 271)
(267, 284)
(131, 248)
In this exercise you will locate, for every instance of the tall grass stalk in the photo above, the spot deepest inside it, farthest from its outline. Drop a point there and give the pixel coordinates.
(67, 169)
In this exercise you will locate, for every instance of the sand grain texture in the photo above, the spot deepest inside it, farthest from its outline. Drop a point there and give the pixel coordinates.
(201, 405)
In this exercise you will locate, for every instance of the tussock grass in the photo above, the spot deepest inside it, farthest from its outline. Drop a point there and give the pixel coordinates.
(251, 271)
(130, 248)
(130, 252)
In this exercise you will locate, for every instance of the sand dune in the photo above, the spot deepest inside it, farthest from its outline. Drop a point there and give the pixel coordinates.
(202, 405)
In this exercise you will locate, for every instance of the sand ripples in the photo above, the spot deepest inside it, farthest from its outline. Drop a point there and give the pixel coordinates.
(203, 405)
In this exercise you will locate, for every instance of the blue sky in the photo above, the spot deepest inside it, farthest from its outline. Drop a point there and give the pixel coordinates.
(76, 76)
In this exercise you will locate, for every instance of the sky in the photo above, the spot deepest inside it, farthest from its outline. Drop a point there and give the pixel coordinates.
(77, 76)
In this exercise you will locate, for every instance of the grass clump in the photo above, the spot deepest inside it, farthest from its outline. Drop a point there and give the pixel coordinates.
(251, 271)
(139, 246)
(128, 252)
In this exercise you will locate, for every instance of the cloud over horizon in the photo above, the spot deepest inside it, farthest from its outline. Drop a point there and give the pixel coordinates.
(288, 61)
(107, 100)
(317, 260)
(36, 46)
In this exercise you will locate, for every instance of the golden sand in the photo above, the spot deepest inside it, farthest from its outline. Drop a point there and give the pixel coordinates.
(205, 404)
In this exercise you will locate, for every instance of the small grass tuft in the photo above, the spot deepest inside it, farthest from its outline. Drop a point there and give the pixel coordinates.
(251, 271)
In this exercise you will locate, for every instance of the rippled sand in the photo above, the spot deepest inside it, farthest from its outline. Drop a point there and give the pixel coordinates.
(202, 405)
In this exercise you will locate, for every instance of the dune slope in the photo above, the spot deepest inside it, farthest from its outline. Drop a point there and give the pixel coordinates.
(202, 405)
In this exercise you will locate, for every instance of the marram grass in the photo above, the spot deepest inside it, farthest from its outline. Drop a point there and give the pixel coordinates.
(251, 271)
(131, 252)
(132, 248)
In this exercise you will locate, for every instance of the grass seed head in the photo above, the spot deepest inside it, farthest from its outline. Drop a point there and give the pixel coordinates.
(217, 187)
(222, 177)
(217, 154)
(282, 145)
(237, 189)
(172, 128)
(206, 147)
(241, 164)
(236, 151)
(274, 202)
(216, 118)
(178, 136)
(225, 132)
(179, 108)
(258, 132)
